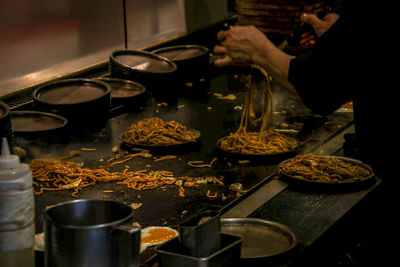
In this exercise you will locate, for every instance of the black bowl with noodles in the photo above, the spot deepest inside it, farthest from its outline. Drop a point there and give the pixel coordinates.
(255, 157)
(352, 183)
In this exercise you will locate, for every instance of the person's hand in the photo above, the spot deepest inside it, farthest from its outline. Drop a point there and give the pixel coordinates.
(308, 40)
(320, 26)
(240, 46)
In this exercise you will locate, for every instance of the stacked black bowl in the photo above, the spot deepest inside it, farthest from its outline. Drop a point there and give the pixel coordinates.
(5, 121)
(192, 60)
(79, 100)
(149, 69)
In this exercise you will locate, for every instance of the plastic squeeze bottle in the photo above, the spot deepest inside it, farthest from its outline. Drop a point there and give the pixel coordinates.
(17, 225)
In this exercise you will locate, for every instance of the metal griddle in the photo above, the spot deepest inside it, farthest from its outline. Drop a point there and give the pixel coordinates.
(194, 105)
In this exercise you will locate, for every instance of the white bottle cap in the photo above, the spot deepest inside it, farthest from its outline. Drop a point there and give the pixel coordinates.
(7, 161)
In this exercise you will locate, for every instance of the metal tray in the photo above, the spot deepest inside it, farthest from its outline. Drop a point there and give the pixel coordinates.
(261, 238)
(172, 254)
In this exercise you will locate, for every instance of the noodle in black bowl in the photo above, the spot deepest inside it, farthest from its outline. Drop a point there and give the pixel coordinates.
(326, 171)
(257, 155)
(155, 133)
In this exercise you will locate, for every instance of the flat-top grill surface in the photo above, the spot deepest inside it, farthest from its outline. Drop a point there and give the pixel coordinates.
(196, 105)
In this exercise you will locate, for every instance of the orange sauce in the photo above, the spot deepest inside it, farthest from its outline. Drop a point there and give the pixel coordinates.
(157, 235)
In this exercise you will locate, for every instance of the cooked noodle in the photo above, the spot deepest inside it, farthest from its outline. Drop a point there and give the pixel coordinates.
(323, 169)
(258, 143)
(155, 131)
(265, 141)
(50, 175)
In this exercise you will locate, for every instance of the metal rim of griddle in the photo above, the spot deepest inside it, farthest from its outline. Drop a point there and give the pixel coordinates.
(59, 121)
(141, 88)
(347, 182)
(164, 146)
(126, 69)
(99, 84)
(260, 225)
(203, 49)
(258, 156)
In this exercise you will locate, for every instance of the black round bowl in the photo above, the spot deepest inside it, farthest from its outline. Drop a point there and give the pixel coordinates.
(192, 60)
(5, 120)
(124, 91)
(29, 122)
(79, 100)
(147, 68)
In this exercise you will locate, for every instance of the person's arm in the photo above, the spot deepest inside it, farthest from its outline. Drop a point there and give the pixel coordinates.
(320, 26)
(324, 78)
(246, 45)
(316, 80)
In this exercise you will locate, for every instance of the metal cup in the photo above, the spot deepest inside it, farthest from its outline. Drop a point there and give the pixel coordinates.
(91, 233)
(201, 239)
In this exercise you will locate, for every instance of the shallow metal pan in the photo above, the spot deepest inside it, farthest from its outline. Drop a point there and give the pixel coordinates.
(261, 238)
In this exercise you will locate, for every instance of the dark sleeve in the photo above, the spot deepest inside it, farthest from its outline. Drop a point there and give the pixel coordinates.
(322, 76)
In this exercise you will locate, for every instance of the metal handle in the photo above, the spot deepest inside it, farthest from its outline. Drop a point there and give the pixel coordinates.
(129, 244)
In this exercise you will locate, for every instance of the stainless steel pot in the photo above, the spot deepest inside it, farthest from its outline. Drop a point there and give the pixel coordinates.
(91, 233)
